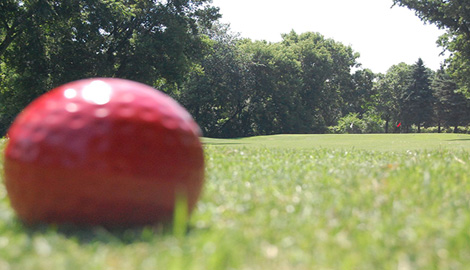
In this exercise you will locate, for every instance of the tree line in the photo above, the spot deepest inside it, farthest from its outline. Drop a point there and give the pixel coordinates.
(233, 87)
(307, 83)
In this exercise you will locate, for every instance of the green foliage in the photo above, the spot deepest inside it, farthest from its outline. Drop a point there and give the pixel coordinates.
(350, 123)
(255, 87)
(416, 97)
(374, 123)
(452, 108)
(391, 88)
(354, 124)
(452, 15)
(218, 94)
(460, 129)
(361, 96)
(417, 100)
(326, 73)
(233, 87)
(47, 43)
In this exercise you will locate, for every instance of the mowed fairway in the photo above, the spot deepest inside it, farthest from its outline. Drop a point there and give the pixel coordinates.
(379, 142)
(289, 202)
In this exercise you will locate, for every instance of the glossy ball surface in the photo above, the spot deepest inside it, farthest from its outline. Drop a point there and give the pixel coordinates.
(102, 151)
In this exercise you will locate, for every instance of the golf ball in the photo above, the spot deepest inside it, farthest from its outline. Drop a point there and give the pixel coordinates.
(103, 151)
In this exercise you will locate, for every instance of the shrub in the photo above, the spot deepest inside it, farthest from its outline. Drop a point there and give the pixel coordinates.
(350, 123)
(374, 124)
(353, 124)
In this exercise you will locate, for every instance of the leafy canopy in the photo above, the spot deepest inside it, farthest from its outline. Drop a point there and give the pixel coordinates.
(45, 43)
(454, 16)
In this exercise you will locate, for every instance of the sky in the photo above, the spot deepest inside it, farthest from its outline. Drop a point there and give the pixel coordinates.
(383, 36)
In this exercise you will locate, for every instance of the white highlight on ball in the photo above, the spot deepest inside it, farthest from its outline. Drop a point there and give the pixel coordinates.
(70, 93)
(97, 92)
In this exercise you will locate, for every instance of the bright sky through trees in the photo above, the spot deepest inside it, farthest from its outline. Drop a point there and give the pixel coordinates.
(384, 36)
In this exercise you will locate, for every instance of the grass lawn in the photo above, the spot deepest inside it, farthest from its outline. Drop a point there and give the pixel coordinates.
(379, 142)
(289, 202)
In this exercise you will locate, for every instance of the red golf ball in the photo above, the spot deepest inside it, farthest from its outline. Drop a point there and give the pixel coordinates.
(103, 152)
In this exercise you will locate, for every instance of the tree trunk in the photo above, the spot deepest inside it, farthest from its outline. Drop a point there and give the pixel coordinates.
(386, 126)
(9, 37)
(236, 114)
(16, 29)
(419, 128)
(456, 128)
(439, 127)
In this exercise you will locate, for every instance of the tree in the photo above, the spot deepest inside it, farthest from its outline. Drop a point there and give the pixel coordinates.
(454, 16)
(418, 98)
(452, 108)
(390, 89)
(361, 96)
(46, 43)
(140, 39)
(273, 106)
(219, 93)
(246, 87)
(326, 73)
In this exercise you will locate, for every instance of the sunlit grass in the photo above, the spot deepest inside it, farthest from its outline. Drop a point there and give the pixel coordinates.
(375, 142)
(273, 204)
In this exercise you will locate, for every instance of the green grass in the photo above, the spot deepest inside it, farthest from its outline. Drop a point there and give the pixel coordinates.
(289, 202)
(379, 142)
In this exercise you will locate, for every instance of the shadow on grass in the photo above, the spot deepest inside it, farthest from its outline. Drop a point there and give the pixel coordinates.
(85, 235)
(227, 143)
(454, 140)
(221, 141)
